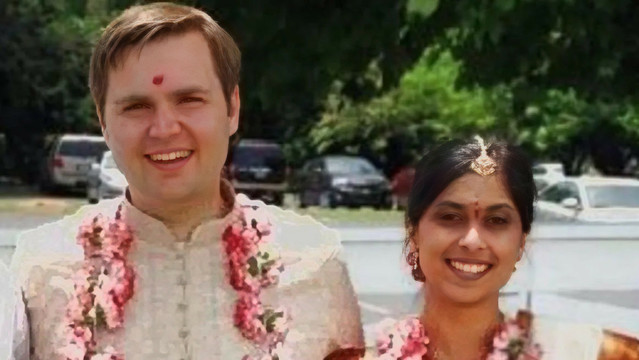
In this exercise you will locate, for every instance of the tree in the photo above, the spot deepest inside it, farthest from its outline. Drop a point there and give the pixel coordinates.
(43, 75)
(566, 52)
(398, 126)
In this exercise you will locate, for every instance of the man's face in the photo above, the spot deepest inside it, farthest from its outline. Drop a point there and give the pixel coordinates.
(166, 120)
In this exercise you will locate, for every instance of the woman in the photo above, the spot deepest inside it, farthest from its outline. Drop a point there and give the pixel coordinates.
(469, 214)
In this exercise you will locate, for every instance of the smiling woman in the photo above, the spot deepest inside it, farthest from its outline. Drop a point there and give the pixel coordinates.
(469, 213)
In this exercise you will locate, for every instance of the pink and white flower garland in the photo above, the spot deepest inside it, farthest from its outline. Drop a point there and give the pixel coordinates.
(105, 283)
(402, 340)
(254, 265)
(511, 342)
(102, 287)
(407, 340)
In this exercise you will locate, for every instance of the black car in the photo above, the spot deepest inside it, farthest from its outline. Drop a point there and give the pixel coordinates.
(258, 169)
(332, 181)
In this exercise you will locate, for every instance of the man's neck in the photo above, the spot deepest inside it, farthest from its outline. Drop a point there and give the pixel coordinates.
(182, 217)
(459, 330)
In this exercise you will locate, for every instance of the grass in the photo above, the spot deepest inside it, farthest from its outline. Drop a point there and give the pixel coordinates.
(27, 201)
(40, 205)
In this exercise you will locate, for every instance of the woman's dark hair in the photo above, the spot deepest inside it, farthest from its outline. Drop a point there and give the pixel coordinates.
(451, 160)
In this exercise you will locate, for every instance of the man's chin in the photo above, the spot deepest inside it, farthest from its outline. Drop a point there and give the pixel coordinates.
(165, 196)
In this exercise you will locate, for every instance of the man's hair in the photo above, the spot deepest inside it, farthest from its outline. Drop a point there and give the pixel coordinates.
(139, 25)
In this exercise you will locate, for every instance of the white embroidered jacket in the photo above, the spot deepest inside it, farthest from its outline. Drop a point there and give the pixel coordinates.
(182, 307)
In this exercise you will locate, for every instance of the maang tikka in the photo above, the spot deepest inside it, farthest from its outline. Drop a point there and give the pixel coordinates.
(484, 165)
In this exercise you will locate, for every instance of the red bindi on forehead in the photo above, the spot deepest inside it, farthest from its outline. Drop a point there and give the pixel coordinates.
(158, 79)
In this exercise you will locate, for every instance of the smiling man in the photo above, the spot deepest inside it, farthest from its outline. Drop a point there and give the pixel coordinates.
(181, 267)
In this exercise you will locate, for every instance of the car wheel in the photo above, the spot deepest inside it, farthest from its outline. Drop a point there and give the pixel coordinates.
(278, 199)
(385, 204)
(302, 202)
(326, 200)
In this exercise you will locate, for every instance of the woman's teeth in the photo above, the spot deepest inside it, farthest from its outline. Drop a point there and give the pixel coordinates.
(170, 156)
(470, 268)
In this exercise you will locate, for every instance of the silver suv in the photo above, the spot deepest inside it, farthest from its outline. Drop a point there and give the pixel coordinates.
(70, 160)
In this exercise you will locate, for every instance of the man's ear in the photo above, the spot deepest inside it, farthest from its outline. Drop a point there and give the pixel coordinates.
(105, 134)
(234, 111)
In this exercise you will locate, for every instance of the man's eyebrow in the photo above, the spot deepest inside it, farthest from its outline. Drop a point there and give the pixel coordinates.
(189, 90)
(131, 99)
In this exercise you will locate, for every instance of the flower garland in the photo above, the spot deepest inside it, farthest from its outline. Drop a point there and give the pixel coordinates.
(407, 340)
(254, 265)
(102, 286)
(105, 283)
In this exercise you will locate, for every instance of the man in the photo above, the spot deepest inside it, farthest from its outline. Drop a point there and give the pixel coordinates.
(13, 325)
(164, 79)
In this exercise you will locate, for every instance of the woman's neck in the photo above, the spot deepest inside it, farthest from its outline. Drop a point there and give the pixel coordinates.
(459, 331)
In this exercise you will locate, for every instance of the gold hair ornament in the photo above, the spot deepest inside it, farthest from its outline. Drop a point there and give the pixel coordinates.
(484, 165)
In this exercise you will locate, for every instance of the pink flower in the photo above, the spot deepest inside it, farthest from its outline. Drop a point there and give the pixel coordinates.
(248, 309)
(497, 355)
(500, 342)
(404, 339)
(73, 351)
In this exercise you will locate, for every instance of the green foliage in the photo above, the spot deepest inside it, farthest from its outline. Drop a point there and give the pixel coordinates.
(426, 106)
(397, 126)
(43, 75)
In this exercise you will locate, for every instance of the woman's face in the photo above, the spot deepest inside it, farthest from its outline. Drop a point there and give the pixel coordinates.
(469, 240)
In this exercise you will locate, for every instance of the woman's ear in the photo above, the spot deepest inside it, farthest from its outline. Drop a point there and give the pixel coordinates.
(522, 247)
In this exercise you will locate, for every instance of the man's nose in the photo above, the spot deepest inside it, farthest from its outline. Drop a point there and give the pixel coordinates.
(165, 123)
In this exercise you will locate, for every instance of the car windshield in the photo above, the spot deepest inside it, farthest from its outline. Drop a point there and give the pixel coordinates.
(350, 166)
(82, 148)
(258, 156)
(606, 196)
(109, 163)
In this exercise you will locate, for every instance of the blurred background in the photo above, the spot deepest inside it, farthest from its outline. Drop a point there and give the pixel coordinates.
(339, 98)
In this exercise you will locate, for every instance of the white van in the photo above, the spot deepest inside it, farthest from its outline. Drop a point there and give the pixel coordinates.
(70, 160)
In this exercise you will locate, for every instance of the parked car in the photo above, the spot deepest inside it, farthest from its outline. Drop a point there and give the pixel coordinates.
(546, 174)
(69, 161)
(105, 180)
(258, 169)
(332, 181)
(605, 199)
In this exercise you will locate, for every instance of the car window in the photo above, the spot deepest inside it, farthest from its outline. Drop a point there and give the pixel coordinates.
(539, 170)
(560, 191)
(541, 184)
(259, 156)
(312, 166)
(82, 148)
(604, 196)
(350, 166)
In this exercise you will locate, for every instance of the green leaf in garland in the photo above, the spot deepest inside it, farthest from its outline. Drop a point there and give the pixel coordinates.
(254, 268)
(100, 317)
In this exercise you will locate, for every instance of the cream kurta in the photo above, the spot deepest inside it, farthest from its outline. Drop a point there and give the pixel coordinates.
(182, 307)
